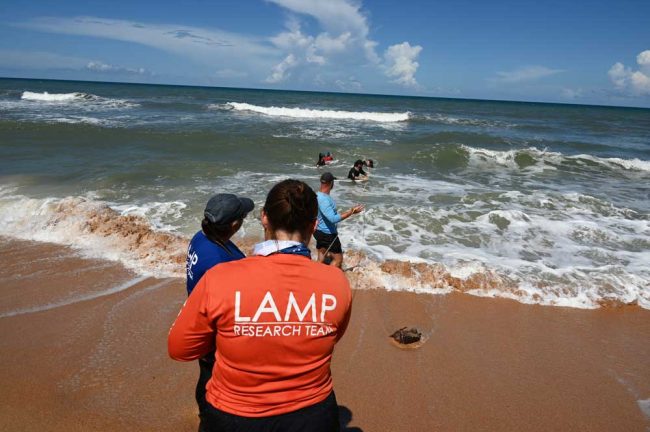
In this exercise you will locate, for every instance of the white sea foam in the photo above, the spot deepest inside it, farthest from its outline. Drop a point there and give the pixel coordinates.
(304, 113)
(77, 299)
(77, 99)
(463, 121)
(644, 406)
(551, 248)
(96, 230)
(548, 248)
(81, 119)
(159, 214)
(53, 97)
(629, 164)
(507, 158)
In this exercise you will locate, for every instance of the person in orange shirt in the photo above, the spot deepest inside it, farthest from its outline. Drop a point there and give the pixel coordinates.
(274, 318)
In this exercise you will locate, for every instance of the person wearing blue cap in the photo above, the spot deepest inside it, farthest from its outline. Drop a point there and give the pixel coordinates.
(223, 216)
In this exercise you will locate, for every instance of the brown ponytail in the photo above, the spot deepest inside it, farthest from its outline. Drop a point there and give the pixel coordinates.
(291, 206)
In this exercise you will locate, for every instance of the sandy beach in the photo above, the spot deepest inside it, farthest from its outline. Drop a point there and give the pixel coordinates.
(83, 347)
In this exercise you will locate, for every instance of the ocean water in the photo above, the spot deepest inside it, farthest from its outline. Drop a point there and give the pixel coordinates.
(542, 203)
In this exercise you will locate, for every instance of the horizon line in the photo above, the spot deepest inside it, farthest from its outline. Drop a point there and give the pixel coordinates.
(332, 92)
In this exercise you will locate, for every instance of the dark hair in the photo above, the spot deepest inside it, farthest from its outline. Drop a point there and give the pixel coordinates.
(358, 162)
(215, 233)
(291, 206)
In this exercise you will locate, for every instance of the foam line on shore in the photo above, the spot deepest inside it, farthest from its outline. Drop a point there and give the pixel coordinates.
(130, 236)
(96, 230)
(115, 289)
(644, 405)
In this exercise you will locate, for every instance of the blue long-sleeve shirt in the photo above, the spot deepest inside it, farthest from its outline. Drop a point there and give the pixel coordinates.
(328, 216)
(202, 255)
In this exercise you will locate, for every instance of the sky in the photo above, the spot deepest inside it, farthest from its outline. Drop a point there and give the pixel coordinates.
(568, 51)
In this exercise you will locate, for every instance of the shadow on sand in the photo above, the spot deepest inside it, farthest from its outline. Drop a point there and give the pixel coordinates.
(345, 417)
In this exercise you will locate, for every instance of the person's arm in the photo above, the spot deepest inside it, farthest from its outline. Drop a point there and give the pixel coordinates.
(192, 335)
(356, 209)
(327, 210)
(346, 214)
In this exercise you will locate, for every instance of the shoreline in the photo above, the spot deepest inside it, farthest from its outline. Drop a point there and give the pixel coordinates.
(88, 352)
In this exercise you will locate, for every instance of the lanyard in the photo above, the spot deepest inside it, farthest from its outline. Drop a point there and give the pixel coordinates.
(300, 249)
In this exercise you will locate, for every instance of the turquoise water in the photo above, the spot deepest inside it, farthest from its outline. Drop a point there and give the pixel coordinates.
(553, 198)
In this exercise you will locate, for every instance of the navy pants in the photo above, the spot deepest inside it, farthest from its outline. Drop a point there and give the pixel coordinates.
(320, 417)
(205, 373)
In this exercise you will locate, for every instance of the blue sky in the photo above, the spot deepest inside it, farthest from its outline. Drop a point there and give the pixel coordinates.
(554, 51)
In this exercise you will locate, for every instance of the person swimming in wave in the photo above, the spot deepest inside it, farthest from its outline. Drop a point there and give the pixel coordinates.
(324, 159)
(357, 173)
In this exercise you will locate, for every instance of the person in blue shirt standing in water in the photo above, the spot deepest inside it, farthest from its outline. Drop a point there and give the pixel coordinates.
(223, 216)
(326, 235)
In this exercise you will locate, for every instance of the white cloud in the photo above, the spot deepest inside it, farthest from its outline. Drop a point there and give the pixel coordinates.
(229, 73)
(281, 70)
(336, 16)
(340, 46)
(350, 84)
(208, 46)
(643, 59)
(619, 74)
(343, 34)
(328, 44)
(97, 66)
(401, 63)
(527, 73)
(11, 59)
(571, 94)
(46, 60)
(626, 80)
(344, 40)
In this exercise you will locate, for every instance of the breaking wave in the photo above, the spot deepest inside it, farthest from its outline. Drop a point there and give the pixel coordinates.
(461, 155)
(76, 98)
(304, 113)
(138, 237)
(531, 156)
(466, 121)
(97, 230)
(474, 278)
(54, 97)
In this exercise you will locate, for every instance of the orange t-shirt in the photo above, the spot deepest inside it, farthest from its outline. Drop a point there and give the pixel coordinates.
(274, 321)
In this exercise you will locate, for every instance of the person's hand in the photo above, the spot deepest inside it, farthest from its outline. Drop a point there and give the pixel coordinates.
(357, 209)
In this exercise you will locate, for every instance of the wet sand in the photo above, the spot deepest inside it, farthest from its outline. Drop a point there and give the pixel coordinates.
(83, 347)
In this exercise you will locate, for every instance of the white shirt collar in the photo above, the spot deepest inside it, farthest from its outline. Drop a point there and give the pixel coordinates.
(269, 247)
